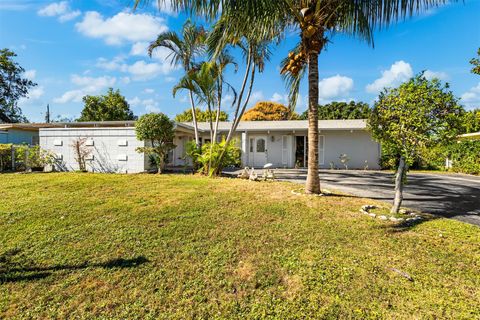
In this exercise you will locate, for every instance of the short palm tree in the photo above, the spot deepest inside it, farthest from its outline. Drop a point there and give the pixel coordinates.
(183, 50)
(315, 21)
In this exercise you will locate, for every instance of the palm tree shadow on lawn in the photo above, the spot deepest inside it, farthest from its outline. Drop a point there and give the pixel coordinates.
(15, 272)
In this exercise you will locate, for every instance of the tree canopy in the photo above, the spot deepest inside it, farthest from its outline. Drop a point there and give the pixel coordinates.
(268, 111)
(341, 110)
(202, 116)
(475, 62)
(110, 107)
(13, 86)
(157, 130)
(471, 121)
(406, 120)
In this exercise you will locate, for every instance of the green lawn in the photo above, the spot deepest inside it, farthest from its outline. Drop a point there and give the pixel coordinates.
(179, 247)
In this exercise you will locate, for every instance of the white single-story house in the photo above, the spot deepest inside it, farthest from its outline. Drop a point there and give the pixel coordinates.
(283, 143)
(18, 133)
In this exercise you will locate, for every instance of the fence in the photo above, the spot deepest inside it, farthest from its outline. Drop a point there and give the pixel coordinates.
(20, 158)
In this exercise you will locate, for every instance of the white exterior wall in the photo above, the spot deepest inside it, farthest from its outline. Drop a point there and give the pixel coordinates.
(178, 154)
(357, 145)
(110, 152)
(276, 155)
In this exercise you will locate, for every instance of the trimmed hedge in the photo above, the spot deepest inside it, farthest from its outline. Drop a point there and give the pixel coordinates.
(465, 156)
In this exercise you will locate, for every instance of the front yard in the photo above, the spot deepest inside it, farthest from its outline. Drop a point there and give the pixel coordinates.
(179, 247)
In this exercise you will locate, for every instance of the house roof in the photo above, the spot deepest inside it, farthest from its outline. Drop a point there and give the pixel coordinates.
(286, 125)
(20, 126)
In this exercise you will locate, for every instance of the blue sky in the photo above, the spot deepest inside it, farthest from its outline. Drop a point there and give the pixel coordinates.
(78, 47)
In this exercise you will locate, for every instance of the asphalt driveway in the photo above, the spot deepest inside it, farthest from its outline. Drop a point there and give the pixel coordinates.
(446, 195)
(451, 196)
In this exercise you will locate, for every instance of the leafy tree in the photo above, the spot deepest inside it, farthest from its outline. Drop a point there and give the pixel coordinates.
(268, 111)
(157, 130)
(341, 110)
(12, 87)
(476, 63)
(471, 121)
(183, 50)
(202, 116)
(110, 107)
(419, 114)
(316, 22)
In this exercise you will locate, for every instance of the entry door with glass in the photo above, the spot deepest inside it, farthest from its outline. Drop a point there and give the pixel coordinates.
(260, 151)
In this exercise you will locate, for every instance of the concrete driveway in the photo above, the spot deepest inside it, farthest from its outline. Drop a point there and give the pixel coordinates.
(446, 195)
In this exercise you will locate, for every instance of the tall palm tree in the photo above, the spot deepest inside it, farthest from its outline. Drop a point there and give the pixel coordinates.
(207, 83)
(183, 50)
(315, 21)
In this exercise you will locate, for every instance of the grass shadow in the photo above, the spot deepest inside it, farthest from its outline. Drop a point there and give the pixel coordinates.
(11, 271)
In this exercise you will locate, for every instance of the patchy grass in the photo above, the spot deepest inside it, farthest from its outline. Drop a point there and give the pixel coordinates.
(178, 247)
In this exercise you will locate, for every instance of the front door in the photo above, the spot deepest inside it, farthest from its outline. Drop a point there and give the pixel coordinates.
(260, 151)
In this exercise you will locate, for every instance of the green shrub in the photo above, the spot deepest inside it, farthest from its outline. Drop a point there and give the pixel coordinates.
(25, 156)
(5, 157)
(207, 157)
(465, 156)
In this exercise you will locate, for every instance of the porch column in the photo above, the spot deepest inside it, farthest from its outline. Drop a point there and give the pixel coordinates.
(244, 149)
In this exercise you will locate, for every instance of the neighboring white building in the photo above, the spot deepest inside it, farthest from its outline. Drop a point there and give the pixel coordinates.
(282, 143)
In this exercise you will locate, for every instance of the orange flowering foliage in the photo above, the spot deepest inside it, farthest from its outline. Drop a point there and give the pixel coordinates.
(268, 111)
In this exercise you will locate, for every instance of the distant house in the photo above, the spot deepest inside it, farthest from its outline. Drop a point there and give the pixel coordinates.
(19, 133)
(282, 143)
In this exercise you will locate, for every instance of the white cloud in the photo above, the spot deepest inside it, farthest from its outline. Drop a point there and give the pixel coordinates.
(227, 100)
(142, 70)
(399, 72)
(135, 101)
(139, 70)
(36, 93)
(115, 64)
(139, 49)
(123, 27)
(165, 7)
(255, 97)
(279, 98)
(87, 85)
(30, 74)
(471, 98)
(61, 10)
(161, 54)
(150, 105)
(334, 87)
(148, 91)
(429, 74)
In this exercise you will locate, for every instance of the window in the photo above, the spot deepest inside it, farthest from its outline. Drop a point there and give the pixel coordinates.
(251, 145)
(321, 149)
(260, 145)
(285, 150)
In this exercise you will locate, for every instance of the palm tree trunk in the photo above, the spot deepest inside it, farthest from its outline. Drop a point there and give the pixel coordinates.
(313, 180)
(219, 107)
(397, 201)
(235, 124)
(237, 117)
(194, 118)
